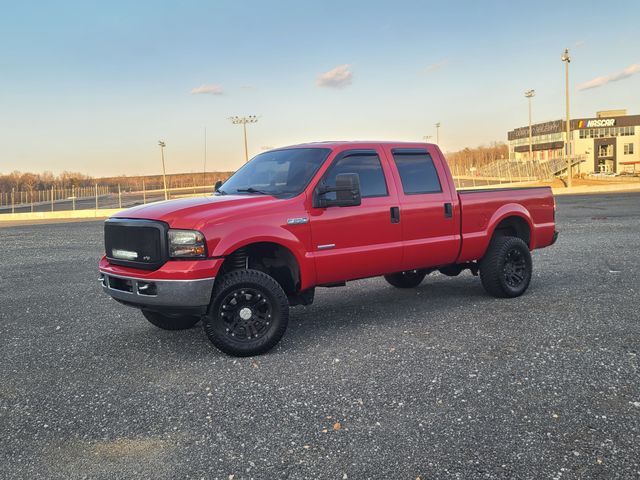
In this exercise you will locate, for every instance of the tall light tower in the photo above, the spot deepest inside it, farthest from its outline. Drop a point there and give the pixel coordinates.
(529, 94)
(243, 121)
(438, 133)
(567, 59)
(164, 173)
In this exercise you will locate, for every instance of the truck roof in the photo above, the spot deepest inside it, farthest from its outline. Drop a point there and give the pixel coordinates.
(359, 143)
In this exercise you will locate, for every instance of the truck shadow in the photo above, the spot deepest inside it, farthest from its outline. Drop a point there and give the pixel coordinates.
(347, 313)
(372, 302)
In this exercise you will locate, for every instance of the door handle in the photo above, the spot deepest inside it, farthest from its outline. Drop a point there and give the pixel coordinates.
(395, 214)
(448, 210)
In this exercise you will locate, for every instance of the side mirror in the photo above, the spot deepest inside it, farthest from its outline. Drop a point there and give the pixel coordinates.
(217, 186)
(347, 192)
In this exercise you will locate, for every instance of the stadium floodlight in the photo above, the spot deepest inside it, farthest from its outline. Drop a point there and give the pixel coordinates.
(164, 173)
(529, 94)
(236, 120)
(567, 59)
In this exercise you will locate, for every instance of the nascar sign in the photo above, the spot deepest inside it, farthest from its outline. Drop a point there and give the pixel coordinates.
(599, 122)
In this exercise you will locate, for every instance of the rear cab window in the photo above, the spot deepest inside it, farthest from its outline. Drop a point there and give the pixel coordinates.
(417, 171)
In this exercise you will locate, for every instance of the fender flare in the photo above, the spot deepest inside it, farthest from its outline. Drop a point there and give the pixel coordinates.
(276, 235)
(511, 210)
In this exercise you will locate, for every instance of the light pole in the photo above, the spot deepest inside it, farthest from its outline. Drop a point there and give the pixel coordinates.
(438, 133)
(243, 121)
(204, 170)
(567, 59)
(529, 94)
(164, 173)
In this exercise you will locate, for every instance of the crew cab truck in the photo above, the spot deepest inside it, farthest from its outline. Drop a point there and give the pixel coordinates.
(316, 215)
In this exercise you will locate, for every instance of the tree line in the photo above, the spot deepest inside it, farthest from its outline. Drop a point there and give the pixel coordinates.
(478, 157)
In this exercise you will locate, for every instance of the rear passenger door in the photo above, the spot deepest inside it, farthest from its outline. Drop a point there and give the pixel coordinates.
(358, 241)
(430, 230)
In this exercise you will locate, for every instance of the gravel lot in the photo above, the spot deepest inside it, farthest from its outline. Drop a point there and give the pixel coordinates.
(369, 382)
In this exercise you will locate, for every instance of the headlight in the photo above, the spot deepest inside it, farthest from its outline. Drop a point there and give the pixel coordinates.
(186, 244)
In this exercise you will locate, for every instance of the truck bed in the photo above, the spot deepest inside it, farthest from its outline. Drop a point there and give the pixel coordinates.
(483, 210)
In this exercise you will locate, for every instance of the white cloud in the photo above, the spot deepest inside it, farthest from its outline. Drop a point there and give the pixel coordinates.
(207, 90)
(338, 77)
(436, 66)
(600, 81)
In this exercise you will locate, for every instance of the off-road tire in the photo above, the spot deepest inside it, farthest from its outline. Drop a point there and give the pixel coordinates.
(171, 322)
(246, 304)
(505, 270)
(408, 279)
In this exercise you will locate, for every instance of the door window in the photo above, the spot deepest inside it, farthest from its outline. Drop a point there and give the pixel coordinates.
(368, 168)
(417, 173)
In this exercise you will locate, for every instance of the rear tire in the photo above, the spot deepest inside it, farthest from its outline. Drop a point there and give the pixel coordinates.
(170, 322)
(506, 268)
(249, 313)
(407, 279)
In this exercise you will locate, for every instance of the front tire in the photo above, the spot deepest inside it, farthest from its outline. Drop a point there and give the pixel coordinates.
(249, 313)
(506, 268)
(170, 322)
(408, 279)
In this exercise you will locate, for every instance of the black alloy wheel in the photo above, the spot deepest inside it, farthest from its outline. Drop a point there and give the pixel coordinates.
(514, 268)
(505, 270)
(248, 315)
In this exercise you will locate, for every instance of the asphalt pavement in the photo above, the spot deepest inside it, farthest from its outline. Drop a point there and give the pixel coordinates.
(369, 382)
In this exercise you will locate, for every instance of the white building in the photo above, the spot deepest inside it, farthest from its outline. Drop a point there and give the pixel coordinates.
(610, 142)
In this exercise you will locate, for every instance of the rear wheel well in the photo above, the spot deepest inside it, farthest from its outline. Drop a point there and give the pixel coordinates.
(513, 227)
(271, 258)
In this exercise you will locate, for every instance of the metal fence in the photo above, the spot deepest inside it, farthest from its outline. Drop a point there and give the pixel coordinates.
(84, 198)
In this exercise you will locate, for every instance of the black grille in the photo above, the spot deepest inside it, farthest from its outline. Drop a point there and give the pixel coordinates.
(136, 243)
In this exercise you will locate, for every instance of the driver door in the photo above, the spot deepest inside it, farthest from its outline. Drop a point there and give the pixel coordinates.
(358, 241)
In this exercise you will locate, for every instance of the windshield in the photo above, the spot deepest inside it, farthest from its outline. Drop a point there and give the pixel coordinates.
(279, 172)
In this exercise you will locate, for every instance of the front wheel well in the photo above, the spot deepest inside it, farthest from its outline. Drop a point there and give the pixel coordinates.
(271, 258)
(513, 226)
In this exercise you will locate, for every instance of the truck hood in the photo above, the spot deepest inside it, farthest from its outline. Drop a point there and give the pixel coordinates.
(192, 212)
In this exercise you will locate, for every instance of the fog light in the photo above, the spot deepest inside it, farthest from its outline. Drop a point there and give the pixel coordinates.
(147, 288)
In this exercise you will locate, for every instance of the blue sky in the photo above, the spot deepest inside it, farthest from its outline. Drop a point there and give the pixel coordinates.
(92, 86)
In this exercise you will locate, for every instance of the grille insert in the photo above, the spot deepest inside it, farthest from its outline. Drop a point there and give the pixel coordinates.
(136, 243)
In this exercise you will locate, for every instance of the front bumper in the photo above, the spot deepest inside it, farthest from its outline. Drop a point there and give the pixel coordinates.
(161, 295)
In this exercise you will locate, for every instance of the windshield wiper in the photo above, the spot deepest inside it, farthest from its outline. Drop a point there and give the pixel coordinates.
(220, 192)
(253, 190)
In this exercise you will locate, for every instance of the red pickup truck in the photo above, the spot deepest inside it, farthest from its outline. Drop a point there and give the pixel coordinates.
(316, 215)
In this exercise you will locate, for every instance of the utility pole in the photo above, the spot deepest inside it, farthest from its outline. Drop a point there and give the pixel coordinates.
(567, 59)
(243, 121)
(164, 173)
(529, 94)
(438, 133)
(204, 170)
